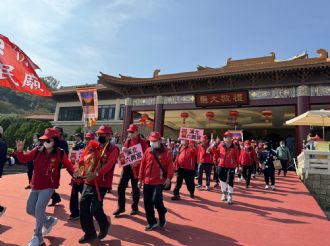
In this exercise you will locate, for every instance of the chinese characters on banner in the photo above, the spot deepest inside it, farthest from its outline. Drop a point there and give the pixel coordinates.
(134, 154)
(191, 134)
(220, 99)
(17, 71)
(89, 101)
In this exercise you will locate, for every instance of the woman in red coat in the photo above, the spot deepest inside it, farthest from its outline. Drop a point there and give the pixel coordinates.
(226, 157)
(156, 172)
(247, 160)
(48, 160)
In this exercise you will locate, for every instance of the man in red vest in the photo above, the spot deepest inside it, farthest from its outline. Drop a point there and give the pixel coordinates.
(130, 172)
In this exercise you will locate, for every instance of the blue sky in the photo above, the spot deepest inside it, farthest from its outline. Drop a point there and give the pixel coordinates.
(73, 40)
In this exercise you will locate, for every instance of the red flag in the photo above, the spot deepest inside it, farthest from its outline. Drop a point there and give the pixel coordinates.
(17, 71)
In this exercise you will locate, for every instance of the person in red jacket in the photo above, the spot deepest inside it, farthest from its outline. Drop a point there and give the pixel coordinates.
(247, 160)
(254, 170)
(156, 172)
(205, 162)
(98, 181)
(130, 172)
(185, 167)
(226, 157)
(48, 160)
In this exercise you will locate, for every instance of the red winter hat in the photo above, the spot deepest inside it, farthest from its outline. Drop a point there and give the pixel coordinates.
(132, 128)
(104, 130)
(90, 135)
(50, 133)
(154, 136)
(228, 134)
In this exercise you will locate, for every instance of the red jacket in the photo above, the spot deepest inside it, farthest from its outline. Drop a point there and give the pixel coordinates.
(131, 142)
(150, 171)
(227, 157)
(46, 172)
(203, 156)
(107, 166)
(186, 158)
(247, 157)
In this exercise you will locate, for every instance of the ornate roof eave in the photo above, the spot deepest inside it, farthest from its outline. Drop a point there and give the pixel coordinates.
(216, 72)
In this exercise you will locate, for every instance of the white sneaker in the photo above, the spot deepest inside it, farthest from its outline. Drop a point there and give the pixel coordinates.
(266, 187)
(46, 230)
(207, 188)
(223, 197)
(34, 242)
(273, 187)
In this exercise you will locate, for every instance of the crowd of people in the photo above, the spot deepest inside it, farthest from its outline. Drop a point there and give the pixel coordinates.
(92, 173)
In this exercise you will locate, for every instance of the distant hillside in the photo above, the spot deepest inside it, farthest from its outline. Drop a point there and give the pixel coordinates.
(12, 102)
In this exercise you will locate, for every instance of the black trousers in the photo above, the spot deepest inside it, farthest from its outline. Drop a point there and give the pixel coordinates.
(153, 198)
(284, 164)
(91, 207)
(74, 199)
(227, 175)
(126, 175)
(246, 172)
(207, 167)
(215, 174)
(30, 167)
(269, 172)
(189, 177)
(254, 169)
(56, 197)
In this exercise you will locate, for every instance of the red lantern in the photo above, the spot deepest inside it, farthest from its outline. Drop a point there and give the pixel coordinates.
(142, 121)
(210, 116)
(145, 116)
(267, 114)
(150, 124)
(184, 116)
(233, 115)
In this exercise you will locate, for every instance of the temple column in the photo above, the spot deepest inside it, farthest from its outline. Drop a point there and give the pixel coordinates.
(303, 105)
(128, 116)
(159, 115)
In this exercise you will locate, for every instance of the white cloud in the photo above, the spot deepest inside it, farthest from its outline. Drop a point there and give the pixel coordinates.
(69, 39)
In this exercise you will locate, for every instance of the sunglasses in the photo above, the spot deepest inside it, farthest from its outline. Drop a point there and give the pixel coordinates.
(47, 141)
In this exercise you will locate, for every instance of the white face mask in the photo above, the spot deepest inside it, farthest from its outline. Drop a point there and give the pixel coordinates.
(35, 140)
(182, 142)
(48, 145)
(154, 145)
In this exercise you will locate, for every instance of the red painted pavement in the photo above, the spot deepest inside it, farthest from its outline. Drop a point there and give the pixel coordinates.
(287, 216)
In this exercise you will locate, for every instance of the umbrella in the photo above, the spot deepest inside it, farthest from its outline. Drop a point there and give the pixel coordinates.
(311, 118)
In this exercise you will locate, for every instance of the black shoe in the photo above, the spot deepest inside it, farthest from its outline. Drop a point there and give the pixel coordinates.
(162, 221)
(27, 187)
(246, 186)
(134, 212)
(54, 202)
(2, 210)
(175, 198)
(118, 212)
(87, 238)
(151, 227)
(284, 174)
(192, 195)
(216, 185)
(104, 232)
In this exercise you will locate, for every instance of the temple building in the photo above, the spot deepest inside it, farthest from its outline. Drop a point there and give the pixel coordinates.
(256, 95)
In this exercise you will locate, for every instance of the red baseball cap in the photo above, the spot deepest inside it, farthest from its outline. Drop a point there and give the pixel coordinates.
(132, 128)
(228, 134)
(247, 143)
(50, 133)
(90, 135)
(104, 130)
(154, 136)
